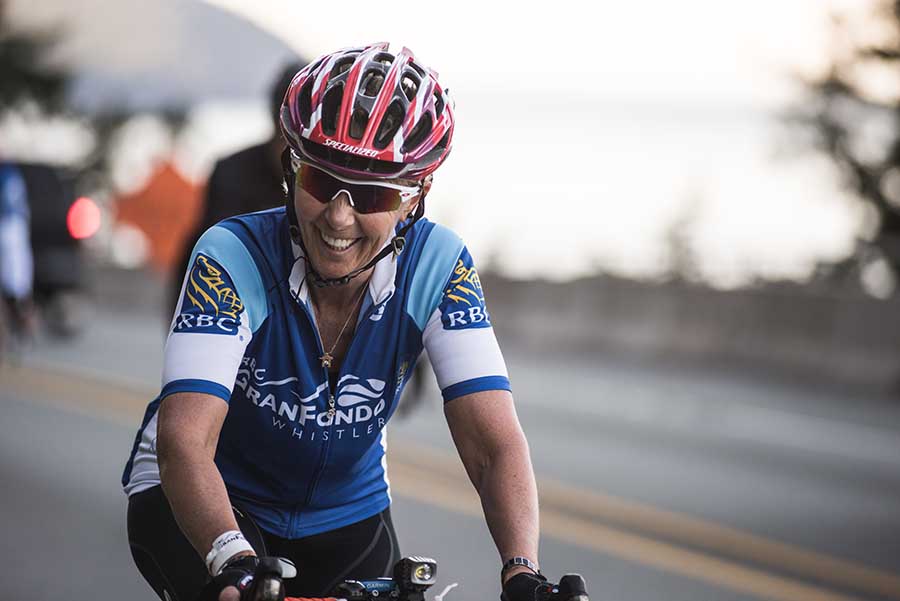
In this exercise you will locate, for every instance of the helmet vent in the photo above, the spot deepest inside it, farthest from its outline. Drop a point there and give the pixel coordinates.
(314, 66)
(438, 103)
(435, 153)
(384, 58)
(390, 124)
(343, 65)
(331, 105)
(409, 83)
(371, 83)
(358, 122)
(418, 134)
(305, 102)
(418, 69)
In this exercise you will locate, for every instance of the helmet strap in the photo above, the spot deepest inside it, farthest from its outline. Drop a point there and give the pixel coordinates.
(288, 174)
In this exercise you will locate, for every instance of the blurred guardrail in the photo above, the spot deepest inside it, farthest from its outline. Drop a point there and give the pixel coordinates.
(830, 338)
(834, 339)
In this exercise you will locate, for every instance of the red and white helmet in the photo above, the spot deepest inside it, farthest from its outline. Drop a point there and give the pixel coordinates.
(367, 112)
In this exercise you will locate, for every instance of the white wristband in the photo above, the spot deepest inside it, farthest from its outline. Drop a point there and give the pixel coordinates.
(227, 545)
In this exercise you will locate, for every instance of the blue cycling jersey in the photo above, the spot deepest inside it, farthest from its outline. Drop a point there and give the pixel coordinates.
(244, 331)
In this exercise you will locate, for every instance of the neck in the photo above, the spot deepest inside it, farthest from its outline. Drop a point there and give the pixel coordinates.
(340, 296)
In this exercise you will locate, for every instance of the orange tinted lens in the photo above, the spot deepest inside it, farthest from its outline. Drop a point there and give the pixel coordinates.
(365, 198)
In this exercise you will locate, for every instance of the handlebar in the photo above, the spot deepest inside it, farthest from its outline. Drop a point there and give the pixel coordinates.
(412, 577)
(571, 587)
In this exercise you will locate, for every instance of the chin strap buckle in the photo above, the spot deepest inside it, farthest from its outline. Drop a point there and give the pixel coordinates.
(398, 243)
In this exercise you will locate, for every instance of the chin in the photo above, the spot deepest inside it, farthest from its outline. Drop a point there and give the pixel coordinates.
(329, 268)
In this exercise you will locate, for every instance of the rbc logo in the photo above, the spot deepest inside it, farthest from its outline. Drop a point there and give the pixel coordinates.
(210, 304)
(463, 302)
(473, 316)
(205, 323)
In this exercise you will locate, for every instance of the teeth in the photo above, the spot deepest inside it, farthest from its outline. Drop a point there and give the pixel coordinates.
(336, 243)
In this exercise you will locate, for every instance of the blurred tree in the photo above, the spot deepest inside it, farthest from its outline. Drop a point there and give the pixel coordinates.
(25, 68)
(855, 120)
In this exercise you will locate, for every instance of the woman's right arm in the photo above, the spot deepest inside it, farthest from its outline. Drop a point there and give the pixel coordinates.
(187, 435)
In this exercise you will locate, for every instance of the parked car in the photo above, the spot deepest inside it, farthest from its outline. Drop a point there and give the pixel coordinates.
(59, 270)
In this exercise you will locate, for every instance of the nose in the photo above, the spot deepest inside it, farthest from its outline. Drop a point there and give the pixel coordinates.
(339, 213)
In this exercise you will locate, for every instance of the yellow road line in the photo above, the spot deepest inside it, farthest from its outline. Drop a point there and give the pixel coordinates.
(421, 485)
(700, 566)
(567, 513)
(115, 401)
(568, 500)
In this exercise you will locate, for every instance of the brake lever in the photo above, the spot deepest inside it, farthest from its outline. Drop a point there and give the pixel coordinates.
(571, 587)
(267, 584)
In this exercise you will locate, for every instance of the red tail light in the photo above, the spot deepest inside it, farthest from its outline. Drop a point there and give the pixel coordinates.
(83, 219)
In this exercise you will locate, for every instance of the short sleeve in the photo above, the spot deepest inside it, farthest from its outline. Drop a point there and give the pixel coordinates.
(458, 334)
(221, 304)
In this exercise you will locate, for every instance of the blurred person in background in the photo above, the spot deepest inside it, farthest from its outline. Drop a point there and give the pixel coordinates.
(293, 340)
(247, 181)
(58, 226)
(16, 258)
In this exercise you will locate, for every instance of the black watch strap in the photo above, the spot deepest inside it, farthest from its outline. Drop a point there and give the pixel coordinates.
(520, 561)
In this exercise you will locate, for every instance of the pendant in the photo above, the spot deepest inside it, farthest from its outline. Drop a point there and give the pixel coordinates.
(326, 360)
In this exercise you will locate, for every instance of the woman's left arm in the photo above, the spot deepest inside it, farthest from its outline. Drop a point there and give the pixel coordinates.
(492, 446)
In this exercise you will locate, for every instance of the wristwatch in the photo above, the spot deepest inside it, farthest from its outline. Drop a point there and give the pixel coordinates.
(520, 561)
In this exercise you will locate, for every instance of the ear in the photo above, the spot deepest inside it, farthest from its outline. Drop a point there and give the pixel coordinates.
(287, 173)
(426, 187)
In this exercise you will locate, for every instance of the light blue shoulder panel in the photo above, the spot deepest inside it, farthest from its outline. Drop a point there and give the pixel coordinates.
(228, 250)
(432, 271)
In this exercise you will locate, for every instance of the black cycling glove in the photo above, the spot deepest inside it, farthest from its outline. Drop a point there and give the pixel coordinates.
(526, 587)
(534, 587)
(238, 573)
(252, 576)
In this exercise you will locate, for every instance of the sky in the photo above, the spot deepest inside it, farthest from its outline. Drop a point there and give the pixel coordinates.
(693, 50)
(589, 135)
(592, 134)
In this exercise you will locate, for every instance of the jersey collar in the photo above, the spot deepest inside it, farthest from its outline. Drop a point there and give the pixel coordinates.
(381, 284)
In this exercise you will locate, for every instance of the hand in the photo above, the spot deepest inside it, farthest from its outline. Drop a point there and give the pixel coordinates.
(525, 586)
(234, 579)
(250, 578)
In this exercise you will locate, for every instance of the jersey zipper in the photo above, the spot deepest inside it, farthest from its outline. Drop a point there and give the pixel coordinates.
(295, 517)
(332, 410)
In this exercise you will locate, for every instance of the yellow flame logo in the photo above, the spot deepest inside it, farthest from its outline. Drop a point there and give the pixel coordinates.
(465, 286)
(208, 289)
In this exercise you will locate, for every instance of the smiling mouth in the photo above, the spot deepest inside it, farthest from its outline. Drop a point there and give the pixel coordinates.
(337, 244)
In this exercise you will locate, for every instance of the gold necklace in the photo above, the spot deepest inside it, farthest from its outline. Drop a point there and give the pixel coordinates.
(327, 358)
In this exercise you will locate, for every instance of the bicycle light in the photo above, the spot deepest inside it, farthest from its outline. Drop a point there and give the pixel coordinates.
(415, 573)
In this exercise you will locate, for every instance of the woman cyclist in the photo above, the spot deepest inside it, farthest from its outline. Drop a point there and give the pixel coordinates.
(294, 335)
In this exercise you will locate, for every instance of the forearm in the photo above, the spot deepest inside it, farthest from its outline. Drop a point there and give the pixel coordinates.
(197, 495)
(187, 436)
(508, 494)
(492, 446)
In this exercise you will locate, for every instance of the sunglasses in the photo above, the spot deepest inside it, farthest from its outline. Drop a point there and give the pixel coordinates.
(365, 197)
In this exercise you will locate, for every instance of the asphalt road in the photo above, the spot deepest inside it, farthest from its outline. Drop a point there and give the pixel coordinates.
(657, 483)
